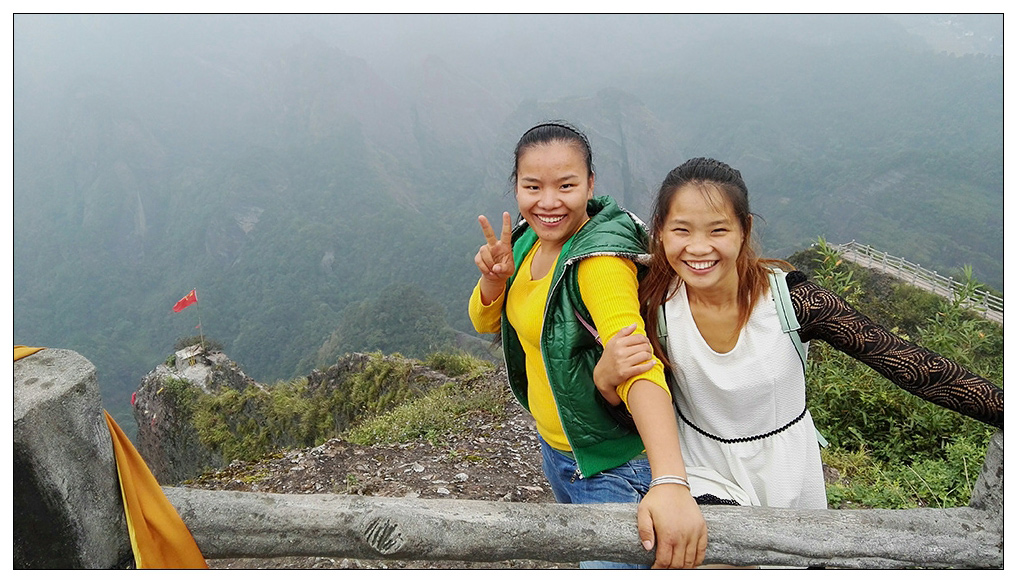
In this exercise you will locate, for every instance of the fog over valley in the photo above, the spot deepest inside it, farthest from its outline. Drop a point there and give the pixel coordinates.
(317, 178)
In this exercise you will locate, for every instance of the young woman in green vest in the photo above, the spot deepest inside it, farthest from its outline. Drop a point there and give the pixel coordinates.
(572, 258)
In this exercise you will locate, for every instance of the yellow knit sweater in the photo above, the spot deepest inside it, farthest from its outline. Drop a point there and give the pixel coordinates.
(610, 292)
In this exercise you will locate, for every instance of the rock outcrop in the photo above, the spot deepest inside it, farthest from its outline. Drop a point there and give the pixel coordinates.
(177, 445)
(164, 407)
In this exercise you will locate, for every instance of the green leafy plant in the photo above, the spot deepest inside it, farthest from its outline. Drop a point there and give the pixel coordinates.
(957, 333)
(183, 394)
(248, 422)
(830, 275)
(939, 481)
(892, 449)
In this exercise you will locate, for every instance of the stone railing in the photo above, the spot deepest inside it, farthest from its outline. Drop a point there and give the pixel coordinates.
(68, 514)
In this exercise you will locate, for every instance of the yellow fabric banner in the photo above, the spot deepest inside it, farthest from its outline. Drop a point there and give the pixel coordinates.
(22, 351)
(159, 537)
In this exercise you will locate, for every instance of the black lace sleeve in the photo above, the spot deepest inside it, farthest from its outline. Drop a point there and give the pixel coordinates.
(826, 316)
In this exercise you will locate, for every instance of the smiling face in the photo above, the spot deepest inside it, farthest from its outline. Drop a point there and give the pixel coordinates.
(702, 239)
(553, 184)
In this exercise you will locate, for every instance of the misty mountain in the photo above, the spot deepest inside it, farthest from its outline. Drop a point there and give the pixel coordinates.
(293, 168)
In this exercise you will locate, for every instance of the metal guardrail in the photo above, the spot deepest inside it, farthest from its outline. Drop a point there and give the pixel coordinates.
(990, 306)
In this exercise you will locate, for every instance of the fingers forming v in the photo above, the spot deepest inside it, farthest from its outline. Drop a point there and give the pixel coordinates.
(486, 260)
(506, 229)
(488, 232)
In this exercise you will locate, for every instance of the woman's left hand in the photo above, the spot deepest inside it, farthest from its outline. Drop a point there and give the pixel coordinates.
(625, 355)
(669, 520)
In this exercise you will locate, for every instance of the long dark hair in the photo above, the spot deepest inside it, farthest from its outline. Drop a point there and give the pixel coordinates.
(657, 286)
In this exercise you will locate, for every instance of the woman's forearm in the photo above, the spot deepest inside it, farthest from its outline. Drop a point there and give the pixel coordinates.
(653, 412)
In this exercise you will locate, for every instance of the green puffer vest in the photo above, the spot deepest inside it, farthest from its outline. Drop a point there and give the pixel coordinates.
(570, 352)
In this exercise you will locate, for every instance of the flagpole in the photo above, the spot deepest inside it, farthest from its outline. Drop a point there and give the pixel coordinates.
(201, 329)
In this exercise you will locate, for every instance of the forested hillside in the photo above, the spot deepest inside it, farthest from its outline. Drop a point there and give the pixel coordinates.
(317, 179)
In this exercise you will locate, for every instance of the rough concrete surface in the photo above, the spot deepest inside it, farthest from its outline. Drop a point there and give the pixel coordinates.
(68, 511)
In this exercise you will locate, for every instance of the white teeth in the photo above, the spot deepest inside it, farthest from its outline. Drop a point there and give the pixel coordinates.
(698, 265)
(551, 219)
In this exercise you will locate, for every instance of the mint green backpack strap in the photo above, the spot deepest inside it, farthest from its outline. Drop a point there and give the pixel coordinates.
(661, 327)
(785, 311)
(789, 323)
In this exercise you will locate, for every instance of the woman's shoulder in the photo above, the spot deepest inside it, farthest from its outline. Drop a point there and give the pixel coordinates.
(813, 304)
(610, 227)
(800, 285)
(795, 278)
(804, 290)
(605, 265)
(796, 285)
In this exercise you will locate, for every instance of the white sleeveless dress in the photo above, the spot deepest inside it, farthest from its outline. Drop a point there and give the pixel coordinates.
(754, 389)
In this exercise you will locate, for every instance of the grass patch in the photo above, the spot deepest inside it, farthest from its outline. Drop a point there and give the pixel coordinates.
(250, 421)
(440, 412)
(936, 482)
(456, 363)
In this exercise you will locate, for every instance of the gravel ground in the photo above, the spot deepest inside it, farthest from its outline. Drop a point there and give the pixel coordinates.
(495, 460)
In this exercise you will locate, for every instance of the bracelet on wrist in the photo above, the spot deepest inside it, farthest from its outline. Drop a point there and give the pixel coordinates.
(669, 480)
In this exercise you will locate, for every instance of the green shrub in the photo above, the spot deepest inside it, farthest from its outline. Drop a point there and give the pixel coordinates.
(939, 481)
(249, 422)
(183, 394)
(455, 363)
(442, 411)
(831, 273)
(383, 384)
(210, 344)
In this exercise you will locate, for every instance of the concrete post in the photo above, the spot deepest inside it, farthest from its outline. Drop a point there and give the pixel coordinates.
(68, 512)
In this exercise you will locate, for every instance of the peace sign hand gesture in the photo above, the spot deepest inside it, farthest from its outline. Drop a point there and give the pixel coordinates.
(494, 259)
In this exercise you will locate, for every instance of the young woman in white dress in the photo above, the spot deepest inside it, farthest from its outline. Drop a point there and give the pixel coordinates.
(737, 378)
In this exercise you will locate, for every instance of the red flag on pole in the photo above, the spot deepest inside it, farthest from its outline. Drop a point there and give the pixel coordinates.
(188, 300)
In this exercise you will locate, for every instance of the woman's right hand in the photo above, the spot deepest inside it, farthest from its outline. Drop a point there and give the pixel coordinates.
(625, 355)
(670, 521)
(495, 259)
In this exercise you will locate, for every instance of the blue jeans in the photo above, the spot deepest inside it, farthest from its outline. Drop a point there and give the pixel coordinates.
(627, 483)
